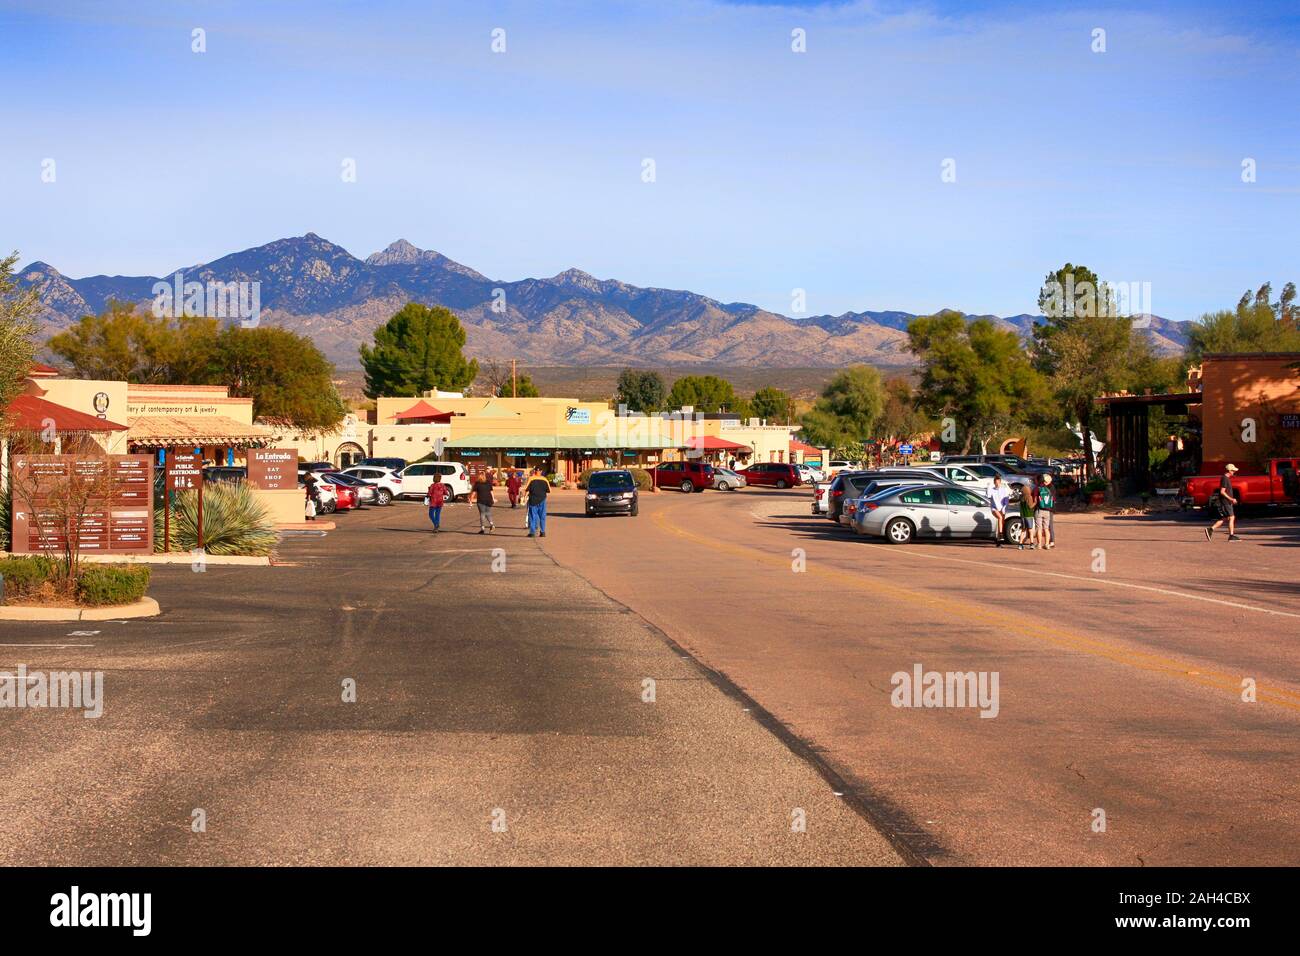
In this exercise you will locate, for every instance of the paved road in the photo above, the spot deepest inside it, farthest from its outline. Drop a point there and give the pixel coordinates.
(519, 692)
(1120, 682)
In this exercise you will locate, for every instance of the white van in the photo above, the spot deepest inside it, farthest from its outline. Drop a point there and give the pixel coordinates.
(417, 478)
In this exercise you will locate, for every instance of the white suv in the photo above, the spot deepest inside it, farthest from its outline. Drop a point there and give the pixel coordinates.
(417, 478)
(387, 483)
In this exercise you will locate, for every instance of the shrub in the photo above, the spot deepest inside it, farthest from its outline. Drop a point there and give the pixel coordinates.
(6, 510)
(639, 475)
(100, 584)
(1096, 483)
(25, 576)
(234, 521)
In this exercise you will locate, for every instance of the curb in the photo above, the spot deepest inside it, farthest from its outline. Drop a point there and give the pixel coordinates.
(306, 526)
(177, 557)
(145, 607)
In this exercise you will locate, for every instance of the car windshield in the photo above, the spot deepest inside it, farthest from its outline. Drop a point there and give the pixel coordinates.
(343, 480)
(610, 479)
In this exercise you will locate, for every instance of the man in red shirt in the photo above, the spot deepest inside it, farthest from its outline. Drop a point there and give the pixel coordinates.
(513, 484)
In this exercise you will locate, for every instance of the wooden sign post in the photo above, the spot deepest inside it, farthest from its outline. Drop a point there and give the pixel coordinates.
(184, 473)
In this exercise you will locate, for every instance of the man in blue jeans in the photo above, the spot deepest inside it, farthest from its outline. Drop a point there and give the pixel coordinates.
(536, 491)
(435, 498)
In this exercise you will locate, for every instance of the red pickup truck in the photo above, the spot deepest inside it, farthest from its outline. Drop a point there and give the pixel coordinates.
(1278, 488)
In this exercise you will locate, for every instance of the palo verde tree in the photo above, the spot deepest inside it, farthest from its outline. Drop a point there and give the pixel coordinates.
(1256, 325)
(848, 411)
(18, 309)
(975, 377)
(417, 350)
(126, 342)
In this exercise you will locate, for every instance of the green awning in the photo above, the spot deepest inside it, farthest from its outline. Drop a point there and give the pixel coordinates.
(556, 442)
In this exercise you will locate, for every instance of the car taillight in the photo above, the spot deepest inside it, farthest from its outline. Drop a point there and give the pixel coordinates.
(870, 505)
(396, 481)
(837, 494)
(819, 492)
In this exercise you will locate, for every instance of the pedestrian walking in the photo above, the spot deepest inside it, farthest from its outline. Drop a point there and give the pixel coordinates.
(998, 497)
(536, 491)
(1227, 505)
(481, 493)
(434, 499)
(1043, 512)
(513, 484)
(312, 504)
(1028, 501)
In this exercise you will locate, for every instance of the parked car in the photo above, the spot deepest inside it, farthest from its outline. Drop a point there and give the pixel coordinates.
(304, 467)
(1014, 463)
(387, 483)
(978, 477)
(724, 479)
(612, 491)
(809, 474)
(228, 473)
(773, 474)
(848, 483)
(417, 478)
(687, 475)
(821, 498)
(329, 500)
(907, 513)
(1277, 487)
(392, 464)
(851, 506)
(364, 493)
(836, 465)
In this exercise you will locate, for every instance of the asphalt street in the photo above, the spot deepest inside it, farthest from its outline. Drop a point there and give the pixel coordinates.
(500, 717)
(1124, 659)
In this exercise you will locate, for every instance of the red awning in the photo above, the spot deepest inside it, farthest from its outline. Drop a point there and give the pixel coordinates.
(423, 411)
(803, 446)
(34, 414)
(711, 443)
(41, 370)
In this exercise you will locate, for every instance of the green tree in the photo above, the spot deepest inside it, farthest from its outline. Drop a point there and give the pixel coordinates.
(974, 374)
(848, 411)
(417, 350)
(284, 374)
(128, 343)
(1256, 325)
(1084, 346)
(707, 393)
(772, 404)
(641, 390)
(18, 309)
(901, 418)
(522, 386)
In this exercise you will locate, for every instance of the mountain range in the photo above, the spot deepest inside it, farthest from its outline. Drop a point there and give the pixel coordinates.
(317, 288)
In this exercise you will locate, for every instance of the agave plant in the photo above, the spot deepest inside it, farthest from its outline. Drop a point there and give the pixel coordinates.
(234, 521)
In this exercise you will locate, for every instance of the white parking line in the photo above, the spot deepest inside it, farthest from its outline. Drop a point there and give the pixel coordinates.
(909, 553)
(47, 645)
(905, 552)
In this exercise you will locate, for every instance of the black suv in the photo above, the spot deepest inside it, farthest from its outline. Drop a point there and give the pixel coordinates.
(612, 491)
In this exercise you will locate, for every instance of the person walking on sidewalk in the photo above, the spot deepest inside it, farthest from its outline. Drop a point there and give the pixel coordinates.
(513, 484)
(998, 498)
(1043, 513)
(481, 493)
(435, 498)
(536, 491)
(1028, 501)
(1227, 505)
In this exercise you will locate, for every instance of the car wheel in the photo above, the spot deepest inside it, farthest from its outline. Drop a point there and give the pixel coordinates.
(1015, 531)
(899, 531)
(686, 486)
(780, 482)
(634, 511)
(383, 496)
(590, 513)
(328, 507)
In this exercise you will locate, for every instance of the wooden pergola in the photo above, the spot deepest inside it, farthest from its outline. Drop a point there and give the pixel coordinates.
(1127, 444)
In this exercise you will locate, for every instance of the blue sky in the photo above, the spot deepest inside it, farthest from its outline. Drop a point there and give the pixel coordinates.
(775, 170)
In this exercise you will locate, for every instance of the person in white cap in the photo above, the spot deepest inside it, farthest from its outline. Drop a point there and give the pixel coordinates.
(1227, 505)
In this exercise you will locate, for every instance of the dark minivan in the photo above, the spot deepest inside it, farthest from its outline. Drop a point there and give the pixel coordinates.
(611, 492)
(774, 474)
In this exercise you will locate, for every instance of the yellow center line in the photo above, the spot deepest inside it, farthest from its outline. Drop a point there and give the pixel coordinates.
(1142, 660)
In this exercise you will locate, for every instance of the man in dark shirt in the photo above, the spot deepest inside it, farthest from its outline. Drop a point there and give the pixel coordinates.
(1227, 505)
(481, 493)
(537, 490)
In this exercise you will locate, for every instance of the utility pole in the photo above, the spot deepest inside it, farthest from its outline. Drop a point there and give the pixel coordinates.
(514, 388)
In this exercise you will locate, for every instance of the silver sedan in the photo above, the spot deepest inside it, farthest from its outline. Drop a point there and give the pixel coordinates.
(904, 514)
(724, 479)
